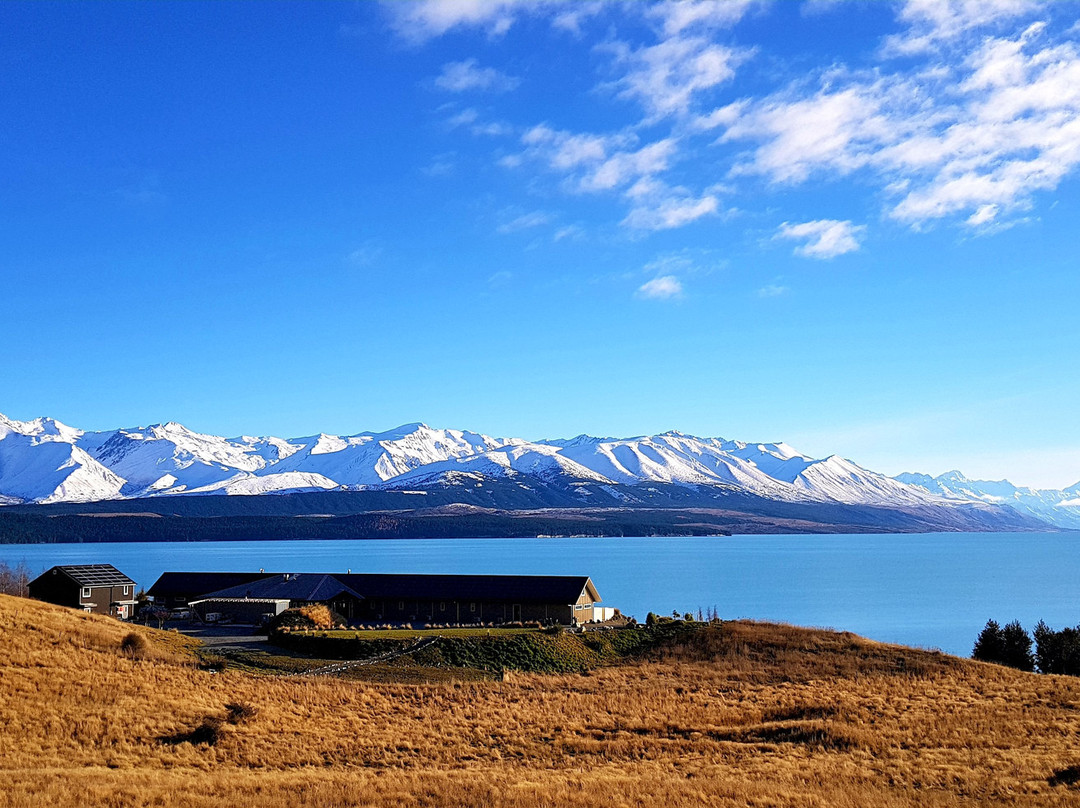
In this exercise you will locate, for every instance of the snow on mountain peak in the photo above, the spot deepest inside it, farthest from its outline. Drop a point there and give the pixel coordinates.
(42, 429)
(169, 458)
(1050, 506)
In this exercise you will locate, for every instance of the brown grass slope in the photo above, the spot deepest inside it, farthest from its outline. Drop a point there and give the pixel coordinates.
(747, 715)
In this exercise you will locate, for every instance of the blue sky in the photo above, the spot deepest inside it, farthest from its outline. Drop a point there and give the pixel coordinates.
(846, 225)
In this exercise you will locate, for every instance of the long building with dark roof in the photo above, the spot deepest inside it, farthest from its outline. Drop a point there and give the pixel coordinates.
(388, 598)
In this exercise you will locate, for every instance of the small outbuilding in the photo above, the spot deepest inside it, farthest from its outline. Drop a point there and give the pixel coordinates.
(96, 588)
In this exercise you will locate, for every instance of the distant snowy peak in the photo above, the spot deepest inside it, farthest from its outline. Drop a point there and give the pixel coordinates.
(1059, 508)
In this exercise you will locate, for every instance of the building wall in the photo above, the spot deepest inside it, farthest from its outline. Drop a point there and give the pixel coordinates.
(240, 611)
(56, 587)
(413, 610)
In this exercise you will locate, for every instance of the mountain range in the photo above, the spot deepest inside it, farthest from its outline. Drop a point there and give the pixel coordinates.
(45, 462)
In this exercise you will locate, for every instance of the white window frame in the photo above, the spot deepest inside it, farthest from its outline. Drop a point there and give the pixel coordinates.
(125, 590)
(87, 592)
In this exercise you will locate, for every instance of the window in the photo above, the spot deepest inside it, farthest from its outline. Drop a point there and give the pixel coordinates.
(442, 606)
(86, 591)
(401, 605)
(181, 600)
(472, 607)
(125, 590)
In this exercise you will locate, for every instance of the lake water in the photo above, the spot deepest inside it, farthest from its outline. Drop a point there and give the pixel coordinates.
(933, 590)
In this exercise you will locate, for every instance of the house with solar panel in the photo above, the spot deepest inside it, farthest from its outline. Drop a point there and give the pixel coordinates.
(95, 588)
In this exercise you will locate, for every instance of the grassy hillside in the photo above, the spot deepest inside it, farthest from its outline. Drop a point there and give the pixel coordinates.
(752, 714)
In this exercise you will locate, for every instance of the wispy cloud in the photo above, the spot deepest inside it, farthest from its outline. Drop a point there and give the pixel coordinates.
(526, 221)
(933, 23)
(772, 290)
(965, 113)
(571, 231)
(974, 137)
(666, 287)
(824, 238)
(366, 255)
(672, 211)
(425, 19)
(665, 77)
(465, 76)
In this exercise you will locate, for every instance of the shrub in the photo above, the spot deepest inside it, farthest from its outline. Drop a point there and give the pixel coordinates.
(134, 645)
(316, 616)
(240, 712)
(208, 732)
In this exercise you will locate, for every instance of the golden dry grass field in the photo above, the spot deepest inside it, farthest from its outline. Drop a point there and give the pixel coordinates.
(744, 715)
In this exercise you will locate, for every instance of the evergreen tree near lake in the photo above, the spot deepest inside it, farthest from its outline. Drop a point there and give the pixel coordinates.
(1005, 646)
(1057, 651)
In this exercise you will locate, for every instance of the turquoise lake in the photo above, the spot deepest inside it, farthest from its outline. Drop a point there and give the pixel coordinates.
(933, 590)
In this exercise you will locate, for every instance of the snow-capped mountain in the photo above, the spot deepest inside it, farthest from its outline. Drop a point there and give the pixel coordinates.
(44, 461)
(1060, 508)
(39, 462)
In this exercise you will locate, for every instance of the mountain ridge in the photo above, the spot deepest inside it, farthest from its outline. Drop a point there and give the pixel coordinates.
(46, 462)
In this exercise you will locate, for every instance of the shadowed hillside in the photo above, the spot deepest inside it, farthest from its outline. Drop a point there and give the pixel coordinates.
(743, 714)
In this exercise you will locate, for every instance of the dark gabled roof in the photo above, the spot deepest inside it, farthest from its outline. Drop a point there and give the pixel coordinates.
(93, 574)
(199, 583)
(520, 588)
(310, 586)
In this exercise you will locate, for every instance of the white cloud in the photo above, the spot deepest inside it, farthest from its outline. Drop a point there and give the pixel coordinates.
(459, 77)
(598, 162)
(976, 138)
(574, 14)
(671, 212)
(772, 290)
(571, 231)
(980, 116)
(824, 238)
(933, 23)
(425, 19)
(469, 119)
(665, 77)
(677, 15)
(666, 287)
(463, 118)
(526, 221)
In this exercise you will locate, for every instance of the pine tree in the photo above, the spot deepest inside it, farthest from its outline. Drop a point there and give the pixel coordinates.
(1016, 647)
(990, 645)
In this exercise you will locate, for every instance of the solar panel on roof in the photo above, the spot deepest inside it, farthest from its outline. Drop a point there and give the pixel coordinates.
(97, 575)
